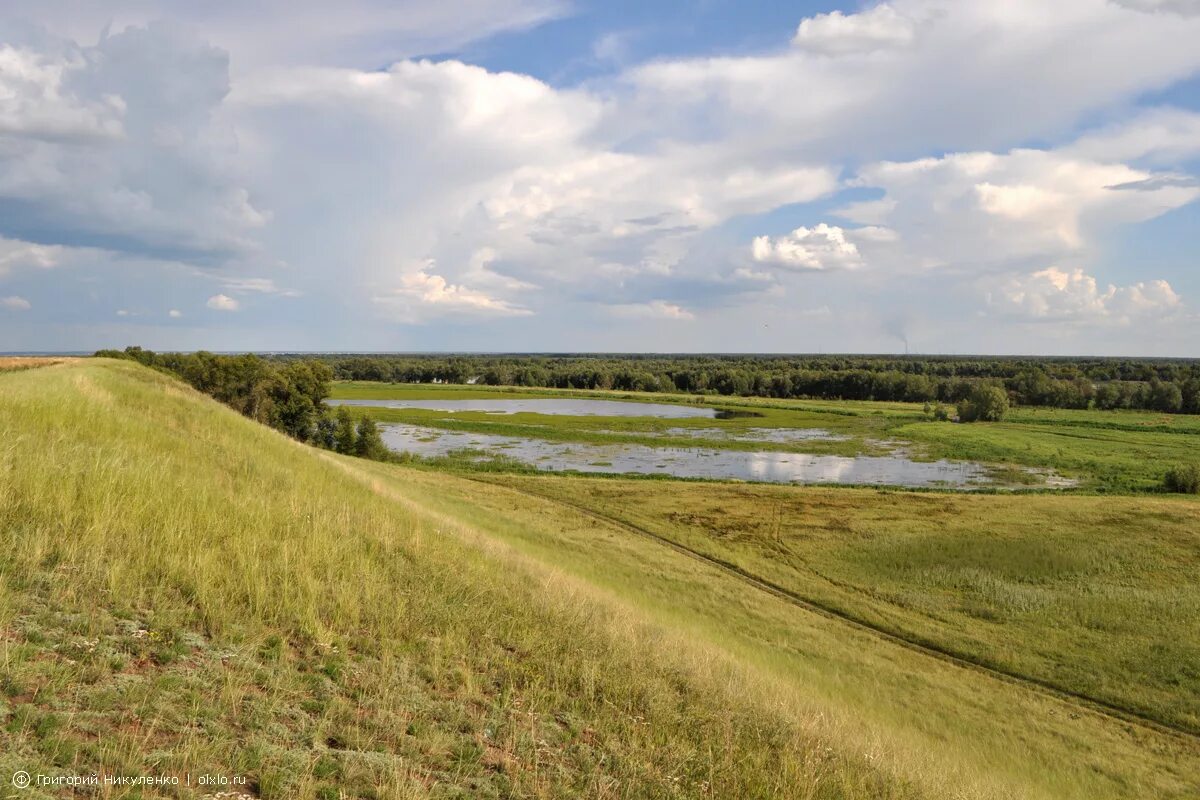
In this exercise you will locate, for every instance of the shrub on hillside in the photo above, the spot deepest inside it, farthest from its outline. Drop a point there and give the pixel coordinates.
(984, 403)
(287, 395)
(1183, 479)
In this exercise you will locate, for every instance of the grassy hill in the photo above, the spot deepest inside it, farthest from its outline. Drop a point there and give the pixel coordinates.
(183, 591)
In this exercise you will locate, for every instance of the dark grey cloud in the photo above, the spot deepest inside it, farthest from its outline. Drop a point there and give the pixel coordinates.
(1183, 8)
(1157, 182)
(122, 150)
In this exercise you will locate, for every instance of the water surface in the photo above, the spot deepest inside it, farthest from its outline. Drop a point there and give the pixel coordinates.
(689, 462)
(775, 435)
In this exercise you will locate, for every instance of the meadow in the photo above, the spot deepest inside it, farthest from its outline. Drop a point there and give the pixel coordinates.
(1095, 596)
(185, 590)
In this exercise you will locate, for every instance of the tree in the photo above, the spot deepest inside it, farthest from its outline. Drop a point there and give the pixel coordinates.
(325, 433)
(1165, 396)
(985, 403)
(344, 439)
(370, 443)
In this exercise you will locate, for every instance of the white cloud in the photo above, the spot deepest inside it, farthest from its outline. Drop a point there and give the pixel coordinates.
(838, 34)
(654, 309)
(121, 312)
(977, 209)
(37, 98)
(1054, 295)
(508, 184)
(1156, 136)
(15, 303)
(823, 247)
(421, 294)
(507, 195)
(979, 75)
(19, 255)
(358, 33)
(174, 313)
(223, 302)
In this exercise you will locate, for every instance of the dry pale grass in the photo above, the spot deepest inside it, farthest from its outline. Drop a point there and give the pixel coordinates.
(30, 362)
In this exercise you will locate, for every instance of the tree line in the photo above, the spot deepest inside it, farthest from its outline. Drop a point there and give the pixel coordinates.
(1167, 385)
(286, 395)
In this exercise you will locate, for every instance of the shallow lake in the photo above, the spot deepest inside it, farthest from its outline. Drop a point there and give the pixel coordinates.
(776, 435)
(688, 462)
(547, 405)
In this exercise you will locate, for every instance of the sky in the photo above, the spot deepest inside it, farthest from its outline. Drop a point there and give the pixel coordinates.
(929, 176)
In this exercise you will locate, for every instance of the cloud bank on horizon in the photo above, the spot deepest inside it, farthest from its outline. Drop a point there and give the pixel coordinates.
(540, 175)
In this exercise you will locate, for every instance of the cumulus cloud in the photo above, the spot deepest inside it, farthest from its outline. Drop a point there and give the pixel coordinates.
(1013, 72)
(422, 294)
(40, 96)
(15, 303)
(509, 184)
(823, 247)
(223, 302)
(977, 209)
(837, 34)
(1055, 294)
(114, 146)
(513, 195)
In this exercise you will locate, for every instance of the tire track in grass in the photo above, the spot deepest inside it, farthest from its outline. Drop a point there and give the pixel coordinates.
(931, 649)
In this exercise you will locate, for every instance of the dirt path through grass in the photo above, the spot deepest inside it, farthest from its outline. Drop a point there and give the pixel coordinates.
(930, 649)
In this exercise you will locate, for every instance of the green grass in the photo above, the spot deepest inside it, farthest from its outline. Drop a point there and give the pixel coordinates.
(952, 731)
(1093, 595)
(182, 590)
(1106, 451)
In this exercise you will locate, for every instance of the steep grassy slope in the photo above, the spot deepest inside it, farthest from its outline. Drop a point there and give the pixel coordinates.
(183, 591)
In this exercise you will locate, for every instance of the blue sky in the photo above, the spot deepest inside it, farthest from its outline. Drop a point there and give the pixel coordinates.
(1016, 177)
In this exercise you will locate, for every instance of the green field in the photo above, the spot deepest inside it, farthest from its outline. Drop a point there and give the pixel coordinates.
(182, 589)
(1055, 589)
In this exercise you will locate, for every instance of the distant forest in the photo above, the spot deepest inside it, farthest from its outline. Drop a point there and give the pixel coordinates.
(1167, 385)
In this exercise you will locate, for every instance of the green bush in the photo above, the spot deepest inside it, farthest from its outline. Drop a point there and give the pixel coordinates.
(1183, 479)
(984, 403)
